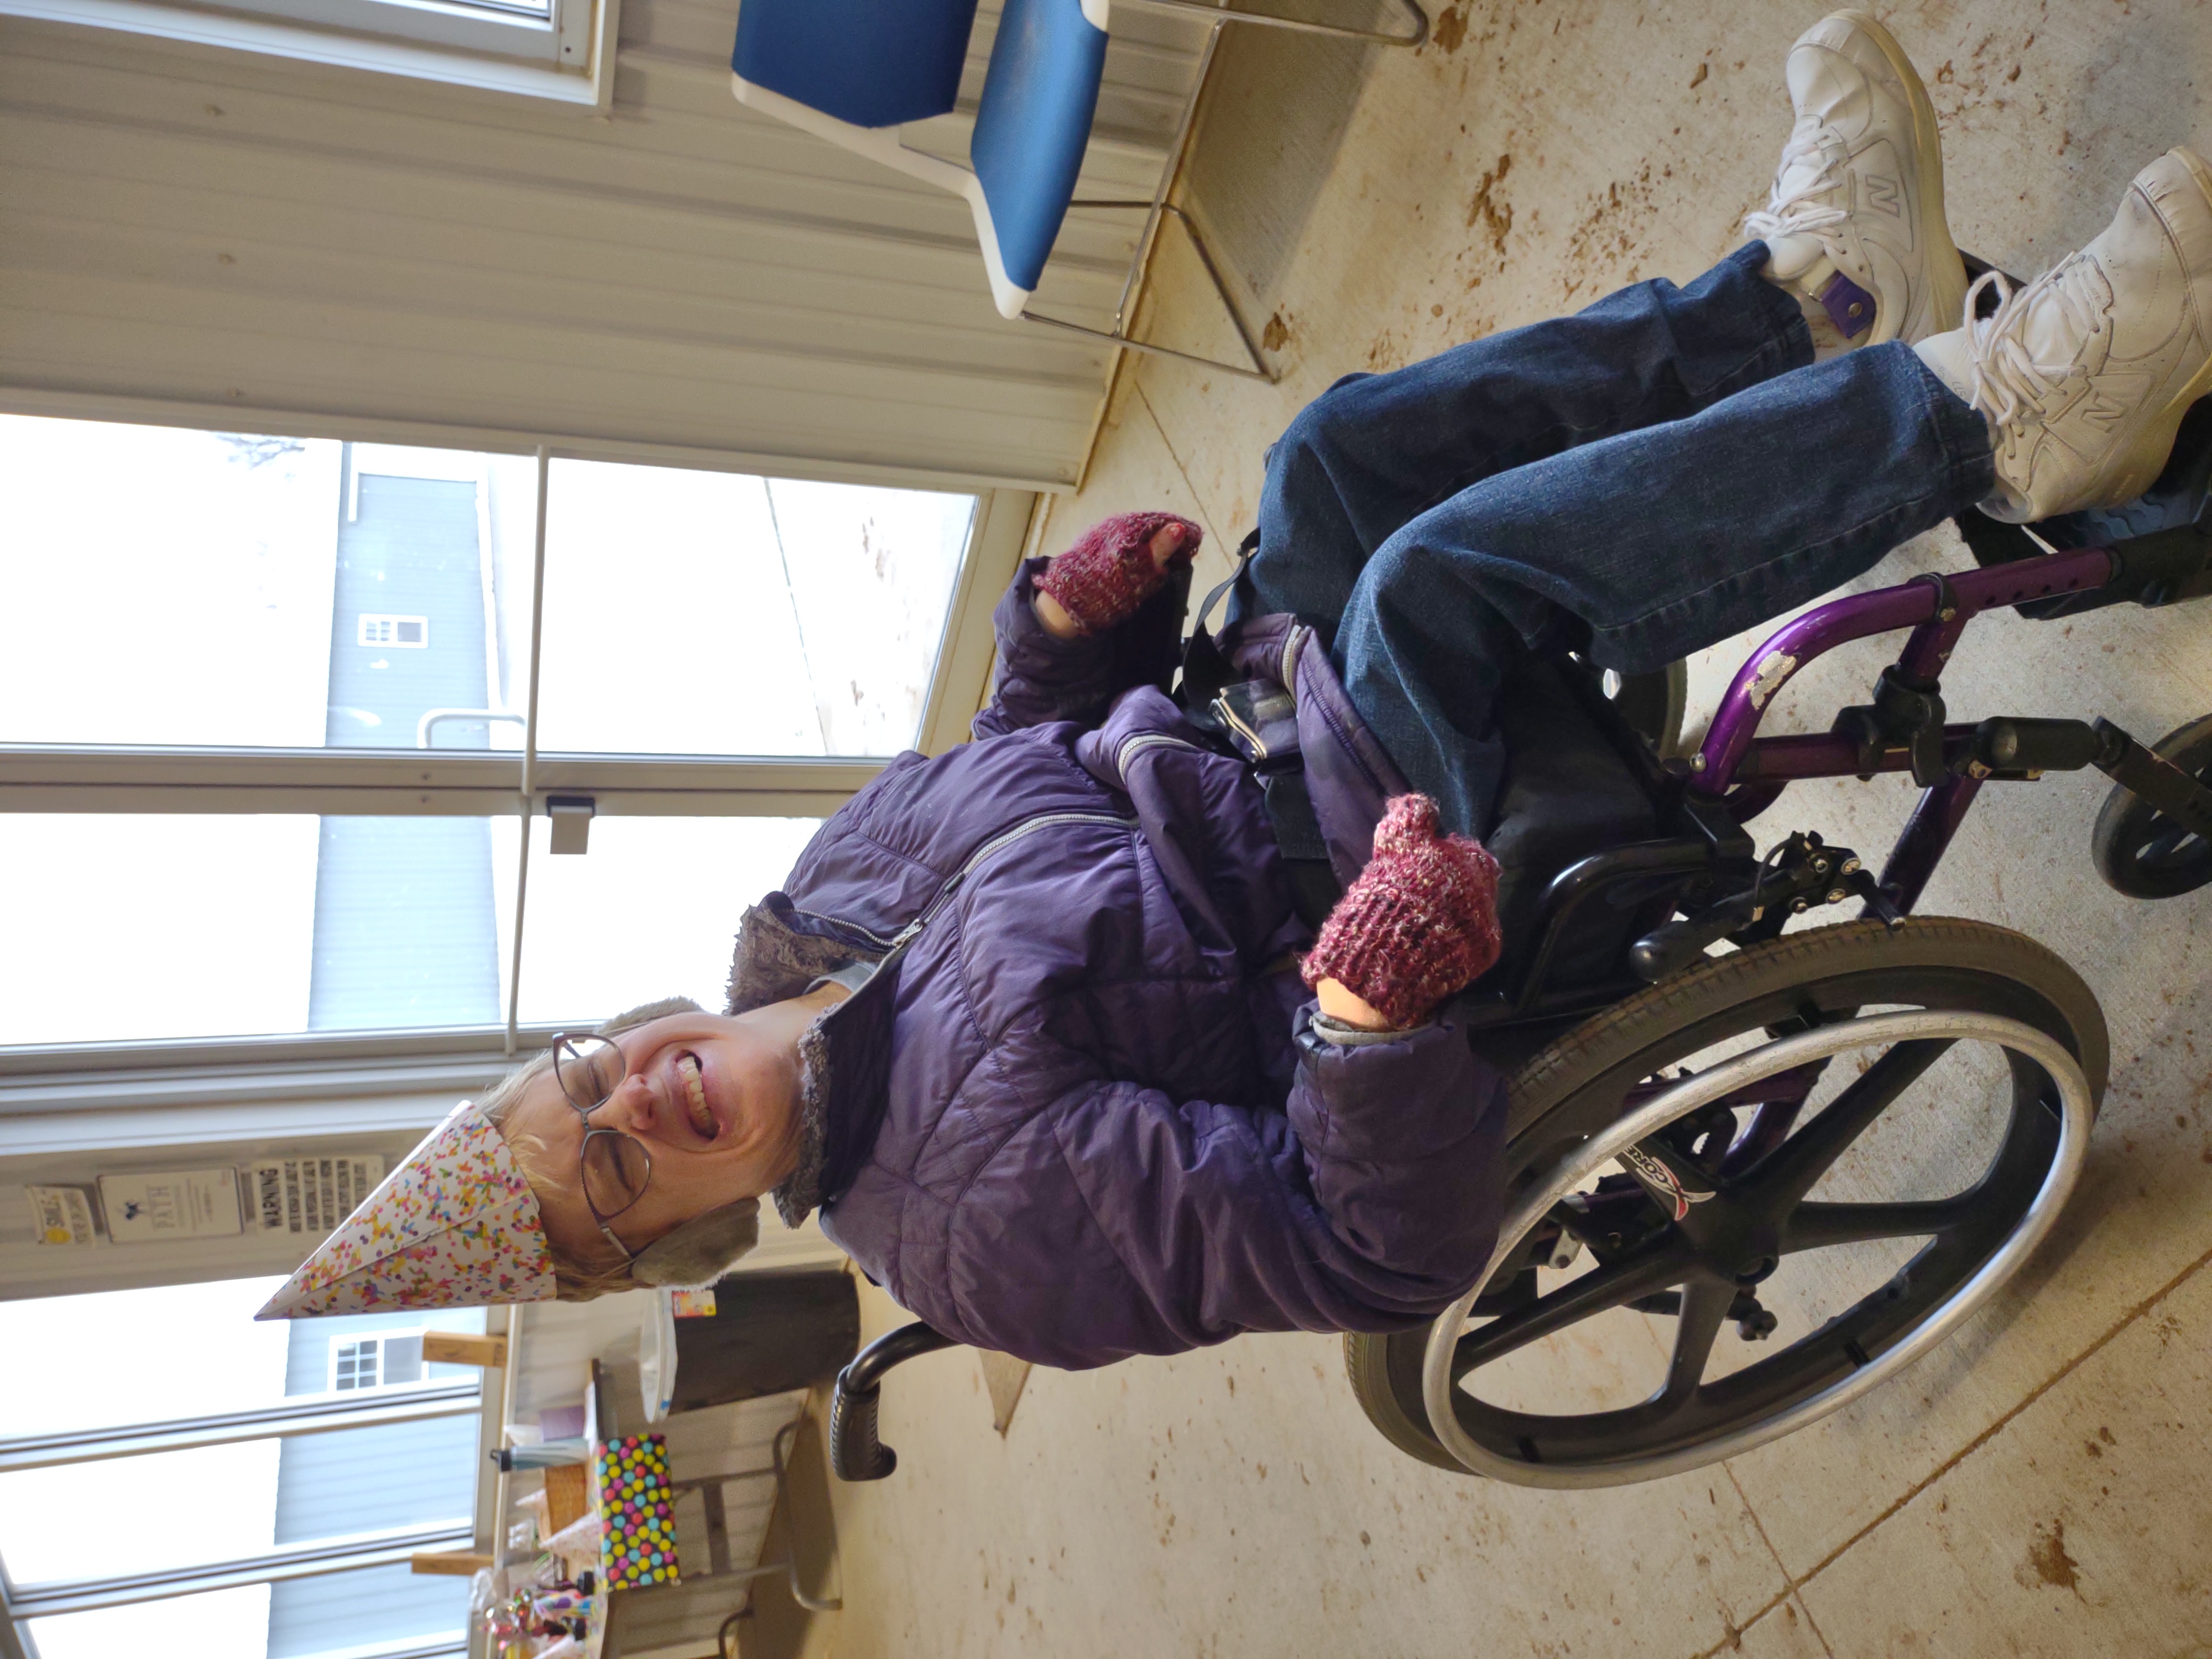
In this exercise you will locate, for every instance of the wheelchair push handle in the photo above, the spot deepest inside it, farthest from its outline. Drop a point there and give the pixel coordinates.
(856, 1450)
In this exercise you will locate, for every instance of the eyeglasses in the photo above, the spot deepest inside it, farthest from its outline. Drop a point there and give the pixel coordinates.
(616, 1168)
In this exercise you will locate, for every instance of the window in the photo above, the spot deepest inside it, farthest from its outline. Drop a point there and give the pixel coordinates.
(384, 1360)
(411, 631)
(559, 49)
(243, 1505)
(341, 823)
(278, 884)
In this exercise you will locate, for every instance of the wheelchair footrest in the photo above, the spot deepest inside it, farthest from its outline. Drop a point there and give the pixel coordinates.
(2161, 542)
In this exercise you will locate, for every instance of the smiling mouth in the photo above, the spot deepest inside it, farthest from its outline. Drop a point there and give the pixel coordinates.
(695, 1096)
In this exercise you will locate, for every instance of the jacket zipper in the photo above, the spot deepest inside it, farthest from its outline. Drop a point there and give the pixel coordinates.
(1292, 645)
(842, 925)
(1144, 740)
(1005, 838)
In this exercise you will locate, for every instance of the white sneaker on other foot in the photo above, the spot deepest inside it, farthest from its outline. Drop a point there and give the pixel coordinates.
(1854, 226)
(2084, 374)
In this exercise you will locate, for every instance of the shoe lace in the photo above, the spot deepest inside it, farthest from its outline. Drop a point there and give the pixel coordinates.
(2006, 380)
(1806, 172)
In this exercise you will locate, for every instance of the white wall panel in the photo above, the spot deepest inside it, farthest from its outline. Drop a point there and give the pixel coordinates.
(215, 229)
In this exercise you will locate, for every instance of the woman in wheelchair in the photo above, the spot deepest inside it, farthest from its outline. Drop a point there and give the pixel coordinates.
(1043, 1027)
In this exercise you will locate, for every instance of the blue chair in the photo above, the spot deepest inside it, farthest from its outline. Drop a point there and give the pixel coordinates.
(854, 71)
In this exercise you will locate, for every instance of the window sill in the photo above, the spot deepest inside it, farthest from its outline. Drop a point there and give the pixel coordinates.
(591, 86)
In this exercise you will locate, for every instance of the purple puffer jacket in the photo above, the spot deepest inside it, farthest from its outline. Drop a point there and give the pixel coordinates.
(1078, 1112)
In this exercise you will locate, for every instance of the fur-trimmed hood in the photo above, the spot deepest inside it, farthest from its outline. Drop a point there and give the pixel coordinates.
(779, 954)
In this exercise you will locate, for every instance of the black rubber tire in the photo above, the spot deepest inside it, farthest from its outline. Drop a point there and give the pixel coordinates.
(2006, 973)
(2128, 827)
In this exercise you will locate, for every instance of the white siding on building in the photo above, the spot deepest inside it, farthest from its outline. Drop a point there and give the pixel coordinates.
(223, 231)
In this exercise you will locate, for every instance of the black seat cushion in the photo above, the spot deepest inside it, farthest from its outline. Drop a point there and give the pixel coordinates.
(1568, 793)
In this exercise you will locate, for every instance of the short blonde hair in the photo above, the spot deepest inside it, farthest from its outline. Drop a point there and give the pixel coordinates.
(573, 1280)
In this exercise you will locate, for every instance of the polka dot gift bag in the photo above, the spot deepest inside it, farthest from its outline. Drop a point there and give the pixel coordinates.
(637, 1512)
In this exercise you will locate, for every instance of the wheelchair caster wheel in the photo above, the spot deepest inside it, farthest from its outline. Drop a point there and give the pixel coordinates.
(2141, 852)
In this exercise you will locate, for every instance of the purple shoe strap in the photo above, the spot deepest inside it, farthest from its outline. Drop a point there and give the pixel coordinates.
(1850, 306)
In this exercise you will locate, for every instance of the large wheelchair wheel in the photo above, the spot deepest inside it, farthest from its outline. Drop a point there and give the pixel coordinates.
(1843, 1209)
(2141, 852)
(1653, 704)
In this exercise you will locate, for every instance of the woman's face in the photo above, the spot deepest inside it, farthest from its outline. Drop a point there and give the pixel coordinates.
(713, 1099)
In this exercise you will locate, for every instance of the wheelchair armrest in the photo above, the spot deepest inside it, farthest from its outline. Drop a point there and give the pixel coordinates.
(856, 1452)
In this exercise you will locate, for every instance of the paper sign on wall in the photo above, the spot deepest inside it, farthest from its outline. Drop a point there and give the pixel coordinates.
(154, 1208)
(311, 1195)
(63, 1215)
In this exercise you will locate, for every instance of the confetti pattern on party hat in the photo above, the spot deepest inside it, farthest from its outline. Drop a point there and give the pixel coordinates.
(455, 1225)
(637, 1512)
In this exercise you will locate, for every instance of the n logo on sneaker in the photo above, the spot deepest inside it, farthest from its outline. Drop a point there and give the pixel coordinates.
(2103, 410)
(1883, 195)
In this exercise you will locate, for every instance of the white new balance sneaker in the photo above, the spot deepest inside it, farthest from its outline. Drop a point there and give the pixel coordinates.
(1854, 226)
(2084, 374)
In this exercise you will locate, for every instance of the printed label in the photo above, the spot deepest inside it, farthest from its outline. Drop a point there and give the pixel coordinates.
(1662, 1182)
(146, 1209)
(63, 1215)
(311, 1195)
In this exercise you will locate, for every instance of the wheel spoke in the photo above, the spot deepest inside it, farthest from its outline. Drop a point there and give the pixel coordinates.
(1792, 1085)
(1770, 1128)
(1705, 1304)
(1802, 1160)
(1584, 1416)
(1595, 1292)
(1817, 1226)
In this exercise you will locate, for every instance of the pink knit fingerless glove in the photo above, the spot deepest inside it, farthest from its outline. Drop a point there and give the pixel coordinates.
(1108, 573)
(1421, 922)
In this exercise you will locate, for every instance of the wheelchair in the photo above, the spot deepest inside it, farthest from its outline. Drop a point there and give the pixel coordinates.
(1696, 1141)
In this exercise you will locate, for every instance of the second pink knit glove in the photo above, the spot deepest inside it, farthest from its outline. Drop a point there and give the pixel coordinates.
(1421, 922)
(1108, 573)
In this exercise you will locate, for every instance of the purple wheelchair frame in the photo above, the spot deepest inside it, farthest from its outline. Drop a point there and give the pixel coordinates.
(1747, 772)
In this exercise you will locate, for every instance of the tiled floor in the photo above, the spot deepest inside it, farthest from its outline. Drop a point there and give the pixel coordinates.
(2043, 1485)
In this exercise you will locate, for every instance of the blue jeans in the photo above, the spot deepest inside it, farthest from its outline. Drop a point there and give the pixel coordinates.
(1635, 482)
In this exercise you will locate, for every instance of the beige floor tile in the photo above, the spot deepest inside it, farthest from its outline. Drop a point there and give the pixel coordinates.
(1235, 1503)
(2145, 1205)
(2145, 1208)
(1786, 1631)
(2084, 1526)
(1530, 159)
(1504, 182)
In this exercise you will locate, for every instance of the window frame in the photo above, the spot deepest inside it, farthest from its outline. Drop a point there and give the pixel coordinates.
(68, 1099)
(317, 1414)
(383, 1382)
(569, 59)
(57, 778)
